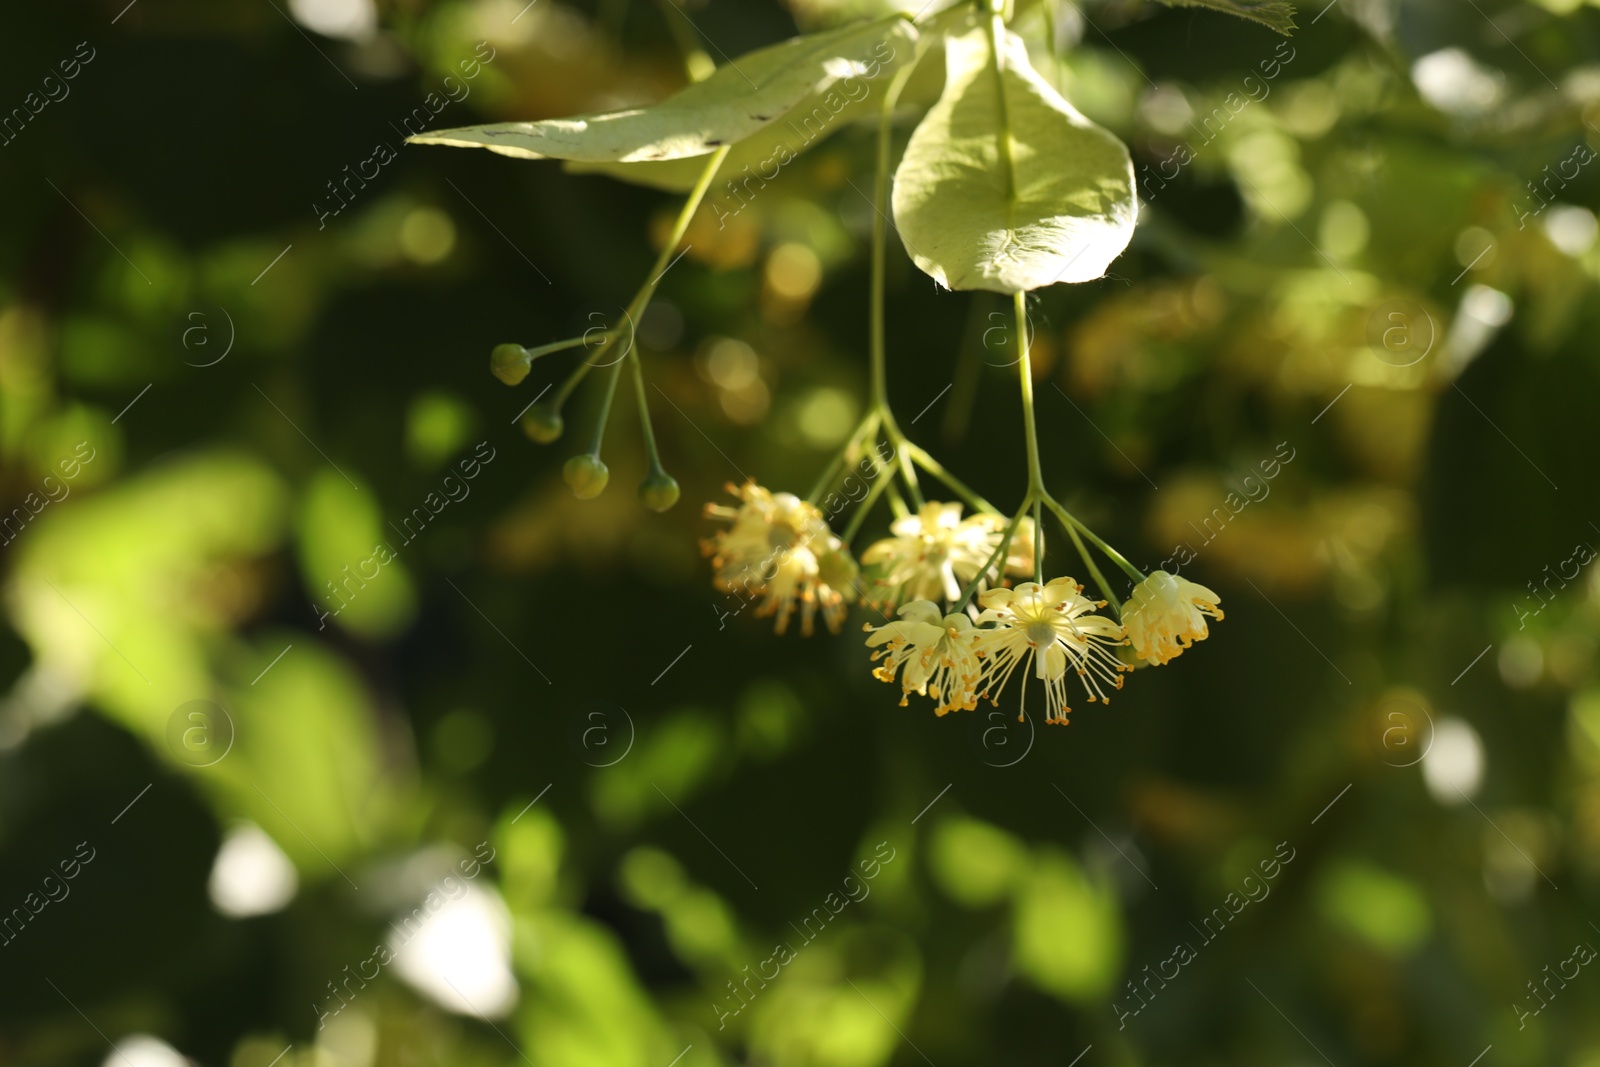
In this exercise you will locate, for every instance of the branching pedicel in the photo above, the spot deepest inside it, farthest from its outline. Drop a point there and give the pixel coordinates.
(1003, 186)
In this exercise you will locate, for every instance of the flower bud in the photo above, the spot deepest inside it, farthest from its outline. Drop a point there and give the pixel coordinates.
(659, 491)
(510, 363)
(543, 423)
(586, 476)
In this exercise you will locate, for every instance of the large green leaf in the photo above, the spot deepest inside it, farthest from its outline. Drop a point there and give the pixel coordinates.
(1274, 14)
(758, 158)
(738, 101)
(1055, 204)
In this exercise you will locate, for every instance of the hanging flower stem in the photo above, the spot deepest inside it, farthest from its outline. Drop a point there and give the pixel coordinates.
(879, 418)
(1038, 543)
(566, 388)
(880, 483)
(921, 458)
(1036, 488)
(897, 503)
(604, 414)
(651, 453)
(866, 428)
(880, 243)
(996, 557)
(1070, 520)
(562, 346)
(1038, 494)
(1071, 526)
(641, 299)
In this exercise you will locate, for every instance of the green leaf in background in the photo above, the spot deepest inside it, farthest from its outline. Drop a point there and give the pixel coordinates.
(94, 595)
(305, 763)
(844, 1000)
(1273, 14)
(93, 591)
(582, 1002)
(1389, 912)
(584, 1005)
(678, 757)
(976, 863)
(700, 925)
(1066, 931)
(350, 561)
(1060, 212)
(736, 102)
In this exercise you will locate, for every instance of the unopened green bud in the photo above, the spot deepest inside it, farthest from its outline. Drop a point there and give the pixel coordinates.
(586, 476)
(543, 423)
(659, 491)
(510, 363)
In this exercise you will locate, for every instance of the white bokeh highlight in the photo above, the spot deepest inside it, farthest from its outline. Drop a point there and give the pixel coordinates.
(1455, 83)
(142, 1050)
(353, 20)
(251, 875)
(1571, 228)
(1453, 767)
(460, 956)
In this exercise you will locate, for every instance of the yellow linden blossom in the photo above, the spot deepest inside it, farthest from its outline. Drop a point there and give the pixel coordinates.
(932, 653)
(780, 547)
(934, 553)
(1167, 614)
(1051, 628)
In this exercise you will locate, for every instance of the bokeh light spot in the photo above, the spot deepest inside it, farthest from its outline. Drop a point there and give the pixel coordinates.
(427, 235)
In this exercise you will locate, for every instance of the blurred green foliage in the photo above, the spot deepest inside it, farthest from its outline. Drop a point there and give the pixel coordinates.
(670, 791)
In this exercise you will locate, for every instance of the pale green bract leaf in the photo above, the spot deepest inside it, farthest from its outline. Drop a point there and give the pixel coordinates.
(758, 158)
(738, 101)
(1070, 209)
(1273, 14)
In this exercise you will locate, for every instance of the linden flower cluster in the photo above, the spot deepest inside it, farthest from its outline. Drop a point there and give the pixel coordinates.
(1048, 630)
(779, 547)
(934, 553)
(1167, 614)
(959, 631)
(780, 550)
(959, 634)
